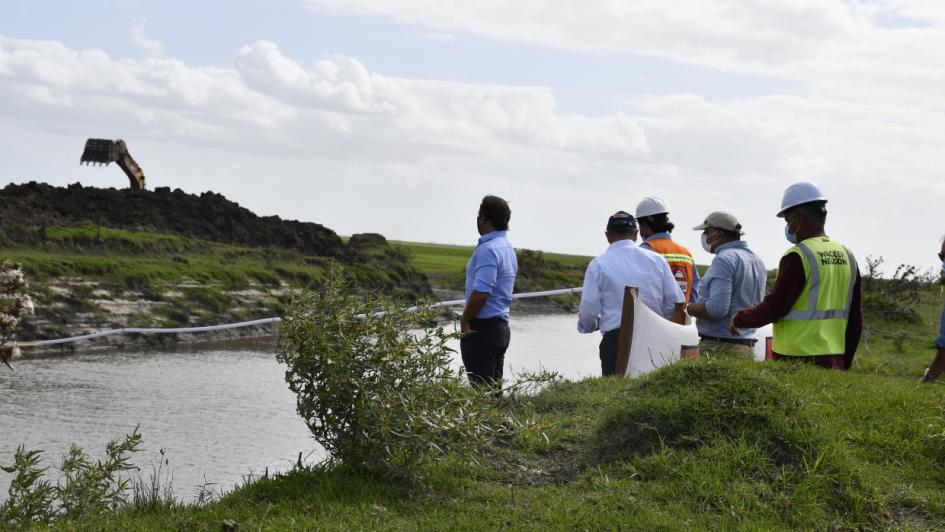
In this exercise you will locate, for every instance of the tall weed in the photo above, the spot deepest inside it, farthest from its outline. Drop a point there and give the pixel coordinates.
(87, 487)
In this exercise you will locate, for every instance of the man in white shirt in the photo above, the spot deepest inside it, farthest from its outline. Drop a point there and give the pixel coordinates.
(625, 264)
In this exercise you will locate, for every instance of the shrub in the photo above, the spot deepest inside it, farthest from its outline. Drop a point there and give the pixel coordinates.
(15, 304)
(376, 389)
(87, 487)
(894, 299)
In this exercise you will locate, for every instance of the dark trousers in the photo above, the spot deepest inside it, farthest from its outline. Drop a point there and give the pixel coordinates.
(483, 350)
(608, 352)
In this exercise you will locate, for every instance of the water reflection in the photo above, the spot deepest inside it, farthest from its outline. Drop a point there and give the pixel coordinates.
(219, 413)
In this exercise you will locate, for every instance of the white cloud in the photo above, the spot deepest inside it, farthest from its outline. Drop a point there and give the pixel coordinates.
(148, 46)
(838, 47)
(321, 141)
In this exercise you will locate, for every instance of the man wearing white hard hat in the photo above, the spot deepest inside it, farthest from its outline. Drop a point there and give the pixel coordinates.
(735, 280)
(815, 304)
(655, 227)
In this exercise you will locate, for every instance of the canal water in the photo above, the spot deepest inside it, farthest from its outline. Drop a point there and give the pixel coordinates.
(218, 414)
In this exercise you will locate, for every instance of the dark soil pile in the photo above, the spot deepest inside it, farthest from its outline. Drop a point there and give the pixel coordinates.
(208, 216)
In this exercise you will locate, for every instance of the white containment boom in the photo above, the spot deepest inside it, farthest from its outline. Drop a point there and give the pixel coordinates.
(649, 341)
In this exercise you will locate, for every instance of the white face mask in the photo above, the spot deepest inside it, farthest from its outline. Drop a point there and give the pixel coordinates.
(705, 243)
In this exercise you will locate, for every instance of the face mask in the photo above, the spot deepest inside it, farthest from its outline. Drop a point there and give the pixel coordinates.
(705, 243)
(791, 237)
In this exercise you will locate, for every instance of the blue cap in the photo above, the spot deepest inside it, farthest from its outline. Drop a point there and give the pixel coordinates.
(621, 221)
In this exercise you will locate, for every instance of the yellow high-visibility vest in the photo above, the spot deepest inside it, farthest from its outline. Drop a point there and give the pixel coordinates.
(817, 323)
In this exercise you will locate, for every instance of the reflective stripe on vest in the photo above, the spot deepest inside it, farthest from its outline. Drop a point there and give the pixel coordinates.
(679, 260)
(812, 313)
(818, 319)
(673, 257)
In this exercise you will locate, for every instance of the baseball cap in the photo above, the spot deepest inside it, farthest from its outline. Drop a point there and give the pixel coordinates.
(720, 220)
(621, 221)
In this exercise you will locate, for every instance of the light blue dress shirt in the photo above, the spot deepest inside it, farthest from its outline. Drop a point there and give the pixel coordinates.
(735, 280)
(492, 269)
(695, 271)
(625, 264)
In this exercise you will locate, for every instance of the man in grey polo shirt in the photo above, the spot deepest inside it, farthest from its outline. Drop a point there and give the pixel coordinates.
(735, 280)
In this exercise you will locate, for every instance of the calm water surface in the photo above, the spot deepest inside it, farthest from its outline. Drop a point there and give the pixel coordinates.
(219, 414)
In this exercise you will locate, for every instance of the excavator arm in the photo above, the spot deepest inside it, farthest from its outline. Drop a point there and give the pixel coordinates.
(103, 151)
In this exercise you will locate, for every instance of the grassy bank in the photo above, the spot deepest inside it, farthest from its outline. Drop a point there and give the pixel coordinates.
(86, 278)
(698, 445)
(695, 446)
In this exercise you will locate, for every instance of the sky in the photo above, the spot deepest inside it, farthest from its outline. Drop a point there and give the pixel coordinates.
(397, 116)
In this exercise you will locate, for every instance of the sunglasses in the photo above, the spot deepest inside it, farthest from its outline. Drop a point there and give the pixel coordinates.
(941, 257)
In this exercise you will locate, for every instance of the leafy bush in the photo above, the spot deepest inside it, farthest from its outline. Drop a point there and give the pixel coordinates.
(15, 304)
(87, 488)
(895, 298)
(376, 388)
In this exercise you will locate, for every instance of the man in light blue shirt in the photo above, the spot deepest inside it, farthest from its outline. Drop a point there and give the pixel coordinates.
(735, 280)
(625, 264)
(490, 278)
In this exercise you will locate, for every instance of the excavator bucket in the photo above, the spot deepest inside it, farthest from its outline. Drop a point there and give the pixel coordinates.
(104, 151)
(99, 151)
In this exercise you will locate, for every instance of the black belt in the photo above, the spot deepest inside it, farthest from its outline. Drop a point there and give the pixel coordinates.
(739, 341)
(487, 320)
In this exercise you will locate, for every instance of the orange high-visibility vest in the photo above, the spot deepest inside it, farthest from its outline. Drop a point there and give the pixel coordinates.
(679, 259)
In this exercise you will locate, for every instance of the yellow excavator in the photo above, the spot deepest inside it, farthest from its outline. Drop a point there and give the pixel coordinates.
(103, 151)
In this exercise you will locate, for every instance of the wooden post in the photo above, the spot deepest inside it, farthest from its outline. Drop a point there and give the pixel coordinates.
(626, 330)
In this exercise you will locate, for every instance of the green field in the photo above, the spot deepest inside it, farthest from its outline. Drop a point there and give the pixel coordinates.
(446, 258)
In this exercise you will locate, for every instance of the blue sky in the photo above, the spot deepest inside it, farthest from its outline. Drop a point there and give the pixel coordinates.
(411, 110)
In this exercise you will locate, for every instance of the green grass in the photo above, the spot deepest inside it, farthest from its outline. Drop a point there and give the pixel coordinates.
(446, 266)
(726, 445)
(437, 258)
(443, 258)
(698, 445)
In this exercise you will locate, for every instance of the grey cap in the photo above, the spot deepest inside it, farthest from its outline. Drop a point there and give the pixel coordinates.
(720, 220)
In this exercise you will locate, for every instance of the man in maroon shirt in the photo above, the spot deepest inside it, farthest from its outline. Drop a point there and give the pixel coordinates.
(804, 220)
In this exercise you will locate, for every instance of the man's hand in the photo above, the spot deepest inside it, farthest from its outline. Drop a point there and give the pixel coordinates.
(477, 300)
(698, 310)
(732, 328)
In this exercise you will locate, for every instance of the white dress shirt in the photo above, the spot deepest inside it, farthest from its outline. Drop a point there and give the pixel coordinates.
(625, 264)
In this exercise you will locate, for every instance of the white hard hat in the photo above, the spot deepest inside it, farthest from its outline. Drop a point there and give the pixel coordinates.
(650, 207)
(798, 194)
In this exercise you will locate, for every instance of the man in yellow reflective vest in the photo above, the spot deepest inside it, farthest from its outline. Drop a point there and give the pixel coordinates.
(815, 303)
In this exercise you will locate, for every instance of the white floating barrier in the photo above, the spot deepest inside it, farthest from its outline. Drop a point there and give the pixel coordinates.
(657, 341)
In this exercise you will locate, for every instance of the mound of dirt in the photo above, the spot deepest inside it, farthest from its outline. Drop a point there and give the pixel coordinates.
(208, 216)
